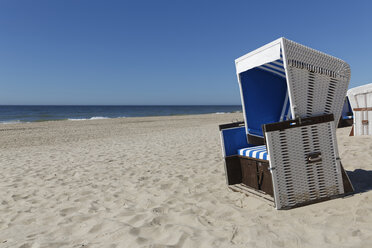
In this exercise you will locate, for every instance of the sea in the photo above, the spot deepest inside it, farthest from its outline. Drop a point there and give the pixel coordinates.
(28, 113)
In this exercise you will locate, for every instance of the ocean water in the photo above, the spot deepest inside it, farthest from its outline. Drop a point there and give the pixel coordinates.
(17, 114)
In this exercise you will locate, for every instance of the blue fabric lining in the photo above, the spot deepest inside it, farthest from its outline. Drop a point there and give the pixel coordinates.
(264, 95)
(233, 140)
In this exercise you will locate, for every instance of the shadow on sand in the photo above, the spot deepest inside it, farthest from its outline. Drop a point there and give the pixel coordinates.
(361, 180)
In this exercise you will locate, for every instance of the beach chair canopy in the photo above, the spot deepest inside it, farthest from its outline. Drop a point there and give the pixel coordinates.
(313, 84)
(360, 97)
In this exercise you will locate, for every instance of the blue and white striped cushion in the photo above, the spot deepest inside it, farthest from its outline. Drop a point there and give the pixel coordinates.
(258, 152)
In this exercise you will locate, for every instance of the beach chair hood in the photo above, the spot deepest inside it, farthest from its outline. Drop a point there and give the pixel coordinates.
(286, 80)
(360, 93)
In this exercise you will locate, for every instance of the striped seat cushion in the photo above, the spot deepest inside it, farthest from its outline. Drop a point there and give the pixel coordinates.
(258, 152)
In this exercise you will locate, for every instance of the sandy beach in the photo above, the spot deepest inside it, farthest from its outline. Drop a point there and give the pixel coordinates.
(158, 182)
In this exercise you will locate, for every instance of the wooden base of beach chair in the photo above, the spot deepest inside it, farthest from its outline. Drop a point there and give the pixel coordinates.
(256, 174)
(253, 173)
(252, 177)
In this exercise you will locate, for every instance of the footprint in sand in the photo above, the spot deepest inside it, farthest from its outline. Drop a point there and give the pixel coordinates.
(67, 211)
(158, 210)
(95, 228)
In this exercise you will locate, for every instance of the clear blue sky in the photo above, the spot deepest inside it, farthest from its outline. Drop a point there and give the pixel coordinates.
(162, 52)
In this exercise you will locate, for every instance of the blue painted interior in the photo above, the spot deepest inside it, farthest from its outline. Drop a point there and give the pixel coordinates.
(264, 95)
(233, 140)
(347, 112)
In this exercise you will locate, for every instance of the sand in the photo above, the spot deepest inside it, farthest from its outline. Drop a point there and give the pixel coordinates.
(158, 182)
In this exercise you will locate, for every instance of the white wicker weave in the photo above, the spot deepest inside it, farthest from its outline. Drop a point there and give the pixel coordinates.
(317, 82)
(295, 180)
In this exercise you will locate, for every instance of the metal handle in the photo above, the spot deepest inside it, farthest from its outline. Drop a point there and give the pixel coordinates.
(314, 157)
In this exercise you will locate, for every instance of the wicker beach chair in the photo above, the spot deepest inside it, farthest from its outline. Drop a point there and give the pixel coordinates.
(285, 150)
(361, 104)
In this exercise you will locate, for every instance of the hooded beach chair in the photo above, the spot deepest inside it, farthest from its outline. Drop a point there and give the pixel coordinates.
(285, 150)
(361, 104)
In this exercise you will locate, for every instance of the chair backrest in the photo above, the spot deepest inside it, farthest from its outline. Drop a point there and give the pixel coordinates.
(284, 80)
